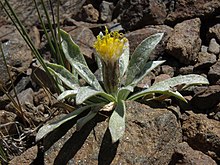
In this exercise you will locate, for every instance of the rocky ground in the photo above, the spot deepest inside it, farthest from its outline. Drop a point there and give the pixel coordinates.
(169, 132)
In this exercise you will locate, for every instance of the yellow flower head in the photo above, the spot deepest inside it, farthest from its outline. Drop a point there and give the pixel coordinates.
(110, 46)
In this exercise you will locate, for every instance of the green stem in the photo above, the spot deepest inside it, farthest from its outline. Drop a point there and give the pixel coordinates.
(111, 76)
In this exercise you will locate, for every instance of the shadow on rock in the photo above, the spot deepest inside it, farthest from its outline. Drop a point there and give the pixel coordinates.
(107, 150)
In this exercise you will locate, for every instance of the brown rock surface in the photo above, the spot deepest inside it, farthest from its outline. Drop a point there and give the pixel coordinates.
(214, 32)
(25, 158)
(150, 138)
(185, 43)
(202, 134)
(185, 155)
(185, 9)
(135, 38)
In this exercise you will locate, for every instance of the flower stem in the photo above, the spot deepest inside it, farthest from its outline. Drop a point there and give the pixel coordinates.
(111, 76)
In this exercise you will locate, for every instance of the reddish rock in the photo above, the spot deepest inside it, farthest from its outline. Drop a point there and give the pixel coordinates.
(89, 14)
(205, 100)
(185, 155)
(161, 77)
(202, 134)
(134, 14)
(205, 60)
(135, 38)
(214, 73)
(186, 9)
(150, 138)
(25, 158)
(84, 38)
(185, 43)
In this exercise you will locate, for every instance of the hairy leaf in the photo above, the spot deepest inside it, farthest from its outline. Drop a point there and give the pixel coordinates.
(124, 60)
(149, 66)
(47, 128)
(67, 94)
(172, 85)
(117, 121)
(64, 75)
(85, 93)
(77, 61)
(141, 55)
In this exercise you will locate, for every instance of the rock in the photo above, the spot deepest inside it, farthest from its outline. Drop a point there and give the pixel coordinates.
(150, 138)
(89, 14)
(205, 60)
(202, 134)
(8, 120)
(214, 32)
(137, 36)
(214, 73)
(106, 10)
(185, 43)
(15, 50)
(186, 70)
(26, 158)
(42, 97)
(24, 97)
(134, 14)
(146, 82)
(35, 37)
(161, 77)
(85, 39)
(26, 10)
(184, 9)
(166, 69)
(204, 48)
(214, 47)
(205, 100)
(185, 155)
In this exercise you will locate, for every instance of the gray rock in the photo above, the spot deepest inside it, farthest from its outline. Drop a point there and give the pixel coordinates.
(214, 32)
(214, 47)
(185, 155)
(135, 38)
(185, 43)
(24, 97)
(15, 50)
(205, 60)
(202, 134)
(68, 8)
(214, 73)
(204, 48)
(106, 10)
(7, 123)
(150, 138)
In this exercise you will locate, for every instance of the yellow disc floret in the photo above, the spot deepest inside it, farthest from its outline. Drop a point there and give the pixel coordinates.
(110, 46)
